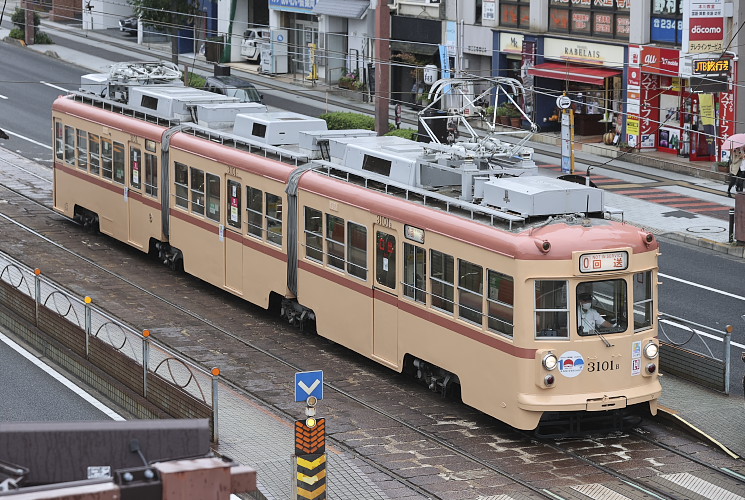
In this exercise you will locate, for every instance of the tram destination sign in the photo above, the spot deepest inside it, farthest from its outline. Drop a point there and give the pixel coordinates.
(602, 262)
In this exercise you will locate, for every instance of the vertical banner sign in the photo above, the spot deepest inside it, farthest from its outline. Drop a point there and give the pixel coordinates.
(703, 26)
(567, 138)
(528, 61)
(726, 115)
(633, 97)
(649, 115)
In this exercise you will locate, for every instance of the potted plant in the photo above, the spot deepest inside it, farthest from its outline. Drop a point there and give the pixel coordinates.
(502, 116)
(723, 166)
(626, 147)
(349, 79)
(516, 118)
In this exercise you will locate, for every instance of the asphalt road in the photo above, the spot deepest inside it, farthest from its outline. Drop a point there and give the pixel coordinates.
(30, 394)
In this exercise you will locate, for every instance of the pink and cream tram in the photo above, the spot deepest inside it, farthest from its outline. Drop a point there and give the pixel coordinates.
(426, 259)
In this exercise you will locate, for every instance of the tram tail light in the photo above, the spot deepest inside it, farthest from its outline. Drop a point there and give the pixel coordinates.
(549, 380)
(651, 368)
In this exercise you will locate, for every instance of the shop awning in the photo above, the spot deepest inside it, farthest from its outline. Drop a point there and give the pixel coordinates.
(558, 71)
(351, 9)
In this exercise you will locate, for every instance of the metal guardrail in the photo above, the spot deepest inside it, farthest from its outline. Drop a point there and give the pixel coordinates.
(686, 350)
(153, 356)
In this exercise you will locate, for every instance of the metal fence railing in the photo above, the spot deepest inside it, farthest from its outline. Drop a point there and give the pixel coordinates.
(685, 352)
(154, 357)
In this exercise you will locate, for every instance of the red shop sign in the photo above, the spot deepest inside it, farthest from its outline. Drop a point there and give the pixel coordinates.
(661, 61)
(706, 28)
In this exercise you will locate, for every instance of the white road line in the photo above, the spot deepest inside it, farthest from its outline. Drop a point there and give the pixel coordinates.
(61, 379)
(3, 96)
(27, 139)
(54, 86)
(699, 332)
(704, 287)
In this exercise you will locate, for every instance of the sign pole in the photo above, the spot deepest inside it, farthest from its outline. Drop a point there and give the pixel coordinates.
(567, 134)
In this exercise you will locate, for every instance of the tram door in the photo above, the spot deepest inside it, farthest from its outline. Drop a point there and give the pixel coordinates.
(385, 297)
(234, 236)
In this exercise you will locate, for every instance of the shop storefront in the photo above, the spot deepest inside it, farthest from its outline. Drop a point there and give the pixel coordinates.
(677, 109)
(589, 73)
(297, 17)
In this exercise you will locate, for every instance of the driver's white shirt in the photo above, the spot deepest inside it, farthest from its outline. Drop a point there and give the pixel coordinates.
(589, 320)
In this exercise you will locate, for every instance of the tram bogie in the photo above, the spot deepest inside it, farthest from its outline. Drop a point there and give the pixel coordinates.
(383, 252)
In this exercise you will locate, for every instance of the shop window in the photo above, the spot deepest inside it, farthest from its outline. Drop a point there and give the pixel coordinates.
(82, 150)
(182, 185)
(135, 169)
(357, 248)
(441, 278)
(514, 13)
(415, 272)
(666, 22)
(599, 18)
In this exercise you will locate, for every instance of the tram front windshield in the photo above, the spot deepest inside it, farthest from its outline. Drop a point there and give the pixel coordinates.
(601, 307)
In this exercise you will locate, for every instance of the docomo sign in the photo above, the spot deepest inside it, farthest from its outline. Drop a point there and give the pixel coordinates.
(660, 61)
(706, 28)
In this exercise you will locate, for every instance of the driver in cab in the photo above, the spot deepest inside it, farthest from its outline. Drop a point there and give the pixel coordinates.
(588, 319)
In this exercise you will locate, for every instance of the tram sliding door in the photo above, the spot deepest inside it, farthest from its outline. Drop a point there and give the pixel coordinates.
(385, 298)
(234, 237)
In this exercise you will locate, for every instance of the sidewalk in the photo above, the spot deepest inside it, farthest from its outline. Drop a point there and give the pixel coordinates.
(714, 414)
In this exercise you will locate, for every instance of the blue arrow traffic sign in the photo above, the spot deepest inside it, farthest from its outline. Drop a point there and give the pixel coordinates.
(308, 384)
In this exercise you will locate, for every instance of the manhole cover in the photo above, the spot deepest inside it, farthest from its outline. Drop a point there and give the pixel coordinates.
(706, 229)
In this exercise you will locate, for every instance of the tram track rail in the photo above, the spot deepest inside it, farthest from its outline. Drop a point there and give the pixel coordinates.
(455, 449)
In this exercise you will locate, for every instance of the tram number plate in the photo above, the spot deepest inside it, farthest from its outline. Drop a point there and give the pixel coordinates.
(601, 262)
(602, 404)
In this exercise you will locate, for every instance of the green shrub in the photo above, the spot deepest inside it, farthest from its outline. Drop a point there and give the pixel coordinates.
(406, 133)
(42, 38)
(342, 120)
(17, 33)
(194, 80)
(19, 18)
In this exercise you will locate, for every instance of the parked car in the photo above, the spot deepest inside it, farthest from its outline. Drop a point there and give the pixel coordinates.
(128, 25)
(251, 44)
(234, 86)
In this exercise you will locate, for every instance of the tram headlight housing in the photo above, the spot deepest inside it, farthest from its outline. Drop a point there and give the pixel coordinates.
(651, 350)
(550, 361)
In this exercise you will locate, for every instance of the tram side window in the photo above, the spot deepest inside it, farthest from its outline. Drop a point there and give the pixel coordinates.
(82, 150)
(335, 241)
(255, 212)
(313, 235)
(501, 302)
(643, 300)
(106, 159)
(69, 145)
(470, 291)
(274, 219)
(59, 144)
(119, 162)
(151, 175)
(415, 272)
(385, 259)
(551, 309)
(135, 168)
(95, 159)
(357, 250)
(442, 273)
(213, 197)
(182, 184)
(234, 204)
(197, 190)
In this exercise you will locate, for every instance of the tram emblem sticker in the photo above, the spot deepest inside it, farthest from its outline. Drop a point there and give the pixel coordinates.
(636, 357)
(571, 364)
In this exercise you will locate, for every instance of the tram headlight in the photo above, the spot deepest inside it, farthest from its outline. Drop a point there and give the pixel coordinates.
(550, 361)
(651, 350)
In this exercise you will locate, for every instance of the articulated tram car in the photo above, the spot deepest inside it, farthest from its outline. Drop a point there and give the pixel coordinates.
(426, 258)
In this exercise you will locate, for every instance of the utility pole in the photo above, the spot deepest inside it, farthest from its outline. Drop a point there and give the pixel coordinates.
(382, 66)
(30, 28)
